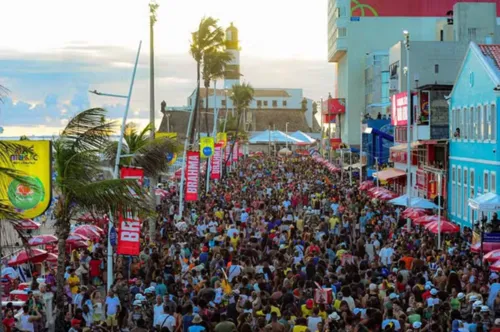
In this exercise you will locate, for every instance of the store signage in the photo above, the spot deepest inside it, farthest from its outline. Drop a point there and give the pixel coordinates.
(216, 162)
(133, 173)
(491, 237)
(406, 8)
(399, 114)
(31, 193)
(129, 236)
(192, 175)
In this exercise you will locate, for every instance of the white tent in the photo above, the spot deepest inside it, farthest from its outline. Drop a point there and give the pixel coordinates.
(303, 137)
(274, 136)
(489, 202)
(416, 202)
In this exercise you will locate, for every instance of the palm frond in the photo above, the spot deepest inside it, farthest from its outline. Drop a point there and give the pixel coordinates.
(3, 92)
(88, 130)
(7, 212)
(214, 64)
(110, 195)
(152, 158)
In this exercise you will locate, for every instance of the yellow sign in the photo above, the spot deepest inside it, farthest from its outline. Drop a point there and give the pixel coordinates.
(206, 147)
(222, 138)
(30, 195)
(165, 135)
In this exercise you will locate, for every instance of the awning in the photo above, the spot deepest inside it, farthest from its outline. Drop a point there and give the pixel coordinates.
(403, 146)
(389, 173)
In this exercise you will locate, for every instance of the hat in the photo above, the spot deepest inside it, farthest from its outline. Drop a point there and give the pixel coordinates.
(373, 287)
(477, 304)
(494, 276)
(485, 308)
(137, 303)
(473, 298)
(197, 319)
(417, 325)
(334, 315)
(309, 304)
(460, 296)
(434, 291)
(393, 296)
(75, 322)
(497, 321)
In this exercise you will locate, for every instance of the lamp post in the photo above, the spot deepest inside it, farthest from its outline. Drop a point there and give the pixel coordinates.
(321, 125)
(153, 6)
(408, 124)
(118, 156)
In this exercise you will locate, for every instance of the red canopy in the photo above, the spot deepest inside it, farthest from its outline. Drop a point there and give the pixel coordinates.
(424, 220)
(27, 224)
(52, 258)
(31, 255)
(87, 232)
(495, 267)
(75, 237)
(413, 213)
(492, 256)
(42, 240)
(446, 227)
(381, 193)
(76, 245)
(365, 185)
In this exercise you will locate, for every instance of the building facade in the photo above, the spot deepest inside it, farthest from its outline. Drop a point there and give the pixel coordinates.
(356, 28)
(474, 164)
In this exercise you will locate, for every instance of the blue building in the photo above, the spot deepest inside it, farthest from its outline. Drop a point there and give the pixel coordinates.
(474, 161)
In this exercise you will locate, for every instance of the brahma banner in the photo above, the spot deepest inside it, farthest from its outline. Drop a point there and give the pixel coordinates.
(235, 151)
(132, 173)
(216, 163)
(192, 175)
(227, 150)
(129, 235)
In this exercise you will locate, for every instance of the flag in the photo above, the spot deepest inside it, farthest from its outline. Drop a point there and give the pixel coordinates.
(206, 147)
(222, 138)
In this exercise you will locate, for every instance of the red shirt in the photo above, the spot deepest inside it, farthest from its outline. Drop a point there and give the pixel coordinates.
(95, 268)
(9, 323)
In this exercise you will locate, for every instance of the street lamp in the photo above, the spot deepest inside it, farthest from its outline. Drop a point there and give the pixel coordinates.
(118, 156)
(408, 124)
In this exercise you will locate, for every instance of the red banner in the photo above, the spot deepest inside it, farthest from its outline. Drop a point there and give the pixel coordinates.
(399, 114)
(227, 150)
(334, 106)
(335, 143)
(132, 173)
(235, 151)
(215, 165)
(129, 235)
(192, 175)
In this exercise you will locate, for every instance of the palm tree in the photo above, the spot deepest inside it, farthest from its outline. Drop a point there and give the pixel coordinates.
(214, 66)
(76, 157)
(241, 96)
(208, 38)
(147, 154)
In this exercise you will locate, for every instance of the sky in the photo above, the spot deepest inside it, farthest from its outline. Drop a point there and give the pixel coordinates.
(54, 51)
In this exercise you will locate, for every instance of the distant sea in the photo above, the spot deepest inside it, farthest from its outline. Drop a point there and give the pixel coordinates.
(41, 137)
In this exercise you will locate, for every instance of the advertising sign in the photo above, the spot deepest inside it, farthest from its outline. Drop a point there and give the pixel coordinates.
(399, 109)
(206, 147)
(335, 143)
(227, 150)
(423, 110)
(222, 138)
(192, 175)
(216, 162)
(406, 8)
(132, 173)
(129, 235)
(171, 158)
(32, 195)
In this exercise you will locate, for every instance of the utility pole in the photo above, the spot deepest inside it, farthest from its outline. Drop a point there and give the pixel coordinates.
(153, 6)
(408, 124)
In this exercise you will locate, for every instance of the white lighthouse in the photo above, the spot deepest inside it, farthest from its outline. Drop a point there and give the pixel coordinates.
(232, 75)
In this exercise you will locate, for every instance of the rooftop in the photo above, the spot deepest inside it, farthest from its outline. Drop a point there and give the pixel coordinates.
(492, 52)
(259, 93)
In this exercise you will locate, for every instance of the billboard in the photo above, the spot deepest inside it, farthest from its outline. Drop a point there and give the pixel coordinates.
(222, 138)
(32, 195)
(192, 175)
(129, 236)
(408, 8)
(399, 115)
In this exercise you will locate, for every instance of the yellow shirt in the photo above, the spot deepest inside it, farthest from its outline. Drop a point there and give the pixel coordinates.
(273, 309)
(333, 222)
(300, 225)
(323, 315)
(74, 283)
(219, 214)
(306, 312)
(235, 241)
(299, 328)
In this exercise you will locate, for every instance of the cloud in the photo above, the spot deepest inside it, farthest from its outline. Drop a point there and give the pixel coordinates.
(48, 88)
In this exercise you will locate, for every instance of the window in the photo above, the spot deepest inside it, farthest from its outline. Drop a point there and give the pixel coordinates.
(259, 103)
(275, 103)
(472, 194)
(477, 120)
(452, 123)
(459, 120)
(393, 69)
(466, 123)
(484, 123)
(453, 191)
(341, 32)
(265, 103)
(493, 182)
(284, 103)
(470, 124)
(223, 102)
(472, 34)
(459, 191)
(486, 182)
(465, 196)
(441, 35)
(493, 122)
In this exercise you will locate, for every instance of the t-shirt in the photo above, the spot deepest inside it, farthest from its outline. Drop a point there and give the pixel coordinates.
(312, 323)
(75, 282)
(299, 328)
(167, 321)
(161, 289)
(112, 305)
(196, 328)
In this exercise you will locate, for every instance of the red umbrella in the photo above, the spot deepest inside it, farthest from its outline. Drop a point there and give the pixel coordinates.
(413, 213)
(75, 237)
(42, 240)
(90, 231)
(31, 255)
(495, 267)
(424, 220)
(86, 217)
(365, 185)
(76, 245)
(27, 224)
(476, 248)
(492, 256)
(52, 258)
(446, 227)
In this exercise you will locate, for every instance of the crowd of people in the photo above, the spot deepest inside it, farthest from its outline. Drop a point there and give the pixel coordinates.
(278, 245)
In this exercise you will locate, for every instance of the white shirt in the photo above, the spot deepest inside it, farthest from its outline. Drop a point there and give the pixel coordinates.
(168, 321)
(212, 226)
(231, 232)
(158, 312)
(201, 229)
(312, 323)
(386, 255)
